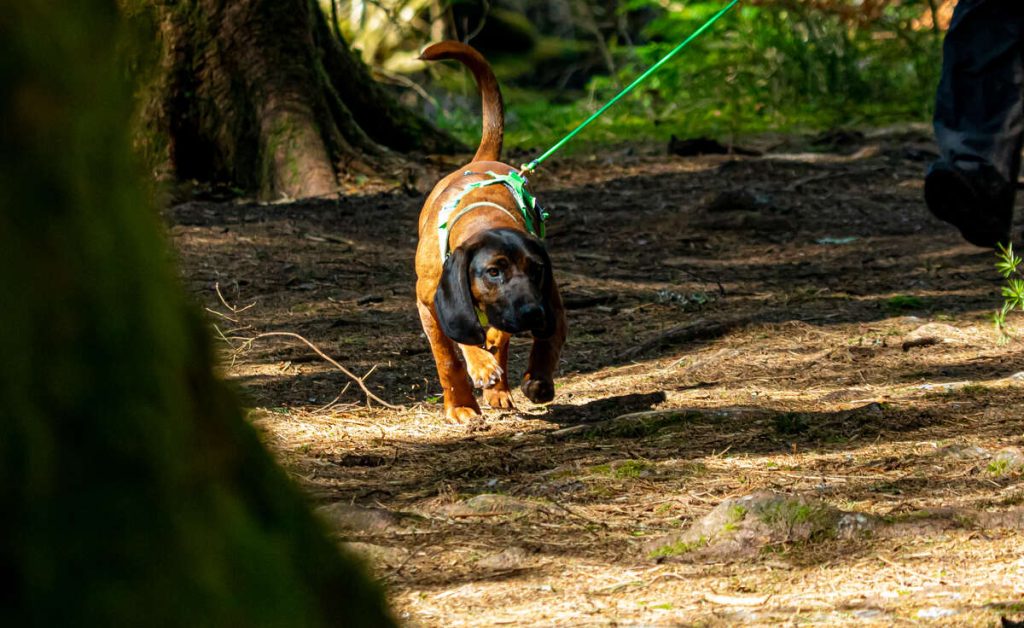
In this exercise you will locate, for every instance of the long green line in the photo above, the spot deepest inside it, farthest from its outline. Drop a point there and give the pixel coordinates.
(654, 68)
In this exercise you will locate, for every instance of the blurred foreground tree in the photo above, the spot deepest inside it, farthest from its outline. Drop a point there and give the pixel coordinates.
(262, 95)
(134, 493)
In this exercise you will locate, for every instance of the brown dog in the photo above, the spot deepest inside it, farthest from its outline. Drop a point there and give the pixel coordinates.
(481, 275)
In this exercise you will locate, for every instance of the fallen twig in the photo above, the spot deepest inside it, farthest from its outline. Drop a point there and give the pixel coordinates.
(247, 342)
(358, 380)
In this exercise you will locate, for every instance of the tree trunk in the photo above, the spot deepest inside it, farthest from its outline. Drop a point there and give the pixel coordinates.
(134, 492)
(262, 95)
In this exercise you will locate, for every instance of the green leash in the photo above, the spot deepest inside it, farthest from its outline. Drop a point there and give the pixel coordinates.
(530, 167)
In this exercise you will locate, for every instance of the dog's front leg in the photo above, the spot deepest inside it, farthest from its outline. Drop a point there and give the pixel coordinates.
(539, 380)
(459, 404)
(489, 369)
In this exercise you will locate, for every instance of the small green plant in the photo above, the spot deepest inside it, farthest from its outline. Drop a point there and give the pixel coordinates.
(1013, 291)
(999, 467)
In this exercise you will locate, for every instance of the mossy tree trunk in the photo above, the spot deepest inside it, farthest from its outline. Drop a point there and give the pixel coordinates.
(134, 493)
(263, 95)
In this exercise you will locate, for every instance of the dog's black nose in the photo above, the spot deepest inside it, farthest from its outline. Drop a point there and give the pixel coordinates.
(531, 316)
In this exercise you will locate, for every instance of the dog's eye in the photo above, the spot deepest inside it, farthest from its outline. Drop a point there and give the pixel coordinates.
(493, 272)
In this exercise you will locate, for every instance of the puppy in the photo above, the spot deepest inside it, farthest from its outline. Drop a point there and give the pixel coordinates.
(481, 274)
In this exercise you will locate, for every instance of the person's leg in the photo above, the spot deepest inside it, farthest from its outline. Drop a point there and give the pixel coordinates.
(979, 120)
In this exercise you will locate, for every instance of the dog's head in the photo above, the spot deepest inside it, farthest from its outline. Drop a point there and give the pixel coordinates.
(504, 274)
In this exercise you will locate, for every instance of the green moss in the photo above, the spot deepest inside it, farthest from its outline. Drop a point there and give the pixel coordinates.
(789, 514)
(678, 548)
(736, 514)
(903, 303)
(970, 391)
(632, 469)
(624, 469)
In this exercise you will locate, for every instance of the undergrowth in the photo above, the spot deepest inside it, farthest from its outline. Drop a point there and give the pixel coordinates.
(760, 69)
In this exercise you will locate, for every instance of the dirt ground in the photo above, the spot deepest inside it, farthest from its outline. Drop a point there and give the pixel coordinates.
(793, 324)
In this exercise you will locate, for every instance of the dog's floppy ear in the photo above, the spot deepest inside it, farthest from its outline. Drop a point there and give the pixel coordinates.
(453, 302)
(552, 303)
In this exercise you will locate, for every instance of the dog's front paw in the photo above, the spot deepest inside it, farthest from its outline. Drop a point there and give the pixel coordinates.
(462, 414)
(483, 369)
(498, 398)
(539, 390)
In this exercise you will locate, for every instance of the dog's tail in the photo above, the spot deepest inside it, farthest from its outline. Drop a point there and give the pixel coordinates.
(490, 93)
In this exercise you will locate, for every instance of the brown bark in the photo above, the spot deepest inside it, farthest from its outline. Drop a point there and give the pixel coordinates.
(262, 95)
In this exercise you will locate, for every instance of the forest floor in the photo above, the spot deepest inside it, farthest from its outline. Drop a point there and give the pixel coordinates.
(782, 399)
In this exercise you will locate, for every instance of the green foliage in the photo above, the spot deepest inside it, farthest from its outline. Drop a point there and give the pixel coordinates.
(625, 469)
(762, 68)
(788, 514)
(903, 303)
(737, 513)
(999, 467)
(678, 548)
(1013, 291)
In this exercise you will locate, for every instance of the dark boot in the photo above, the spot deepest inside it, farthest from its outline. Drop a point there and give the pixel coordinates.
(979, 203)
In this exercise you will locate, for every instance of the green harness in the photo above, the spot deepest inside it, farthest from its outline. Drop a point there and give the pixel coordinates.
(533, 215)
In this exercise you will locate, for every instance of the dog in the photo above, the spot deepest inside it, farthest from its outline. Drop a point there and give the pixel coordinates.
(481, 275)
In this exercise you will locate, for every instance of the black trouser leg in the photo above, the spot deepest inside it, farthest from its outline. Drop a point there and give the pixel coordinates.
(979, 116)
(979, 121)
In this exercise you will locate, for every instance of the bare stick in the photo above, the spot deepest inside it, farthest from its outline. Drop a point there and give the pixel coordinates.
(247, 342)
(358, 380)
(331, 404)
(224, 302)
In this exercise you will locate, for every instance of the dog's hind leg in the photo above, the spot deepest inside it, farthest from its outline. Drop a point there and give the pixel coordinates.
(459, 403)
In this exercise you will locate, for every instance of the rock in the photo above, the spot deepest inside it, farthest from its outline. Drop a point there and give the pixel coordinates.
(932, 334)
(742, 527)
(936, 612)
(489, 505)
(342, 516)
(1006, 461)
(964, 452)
(379, 556)
(509, 559)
